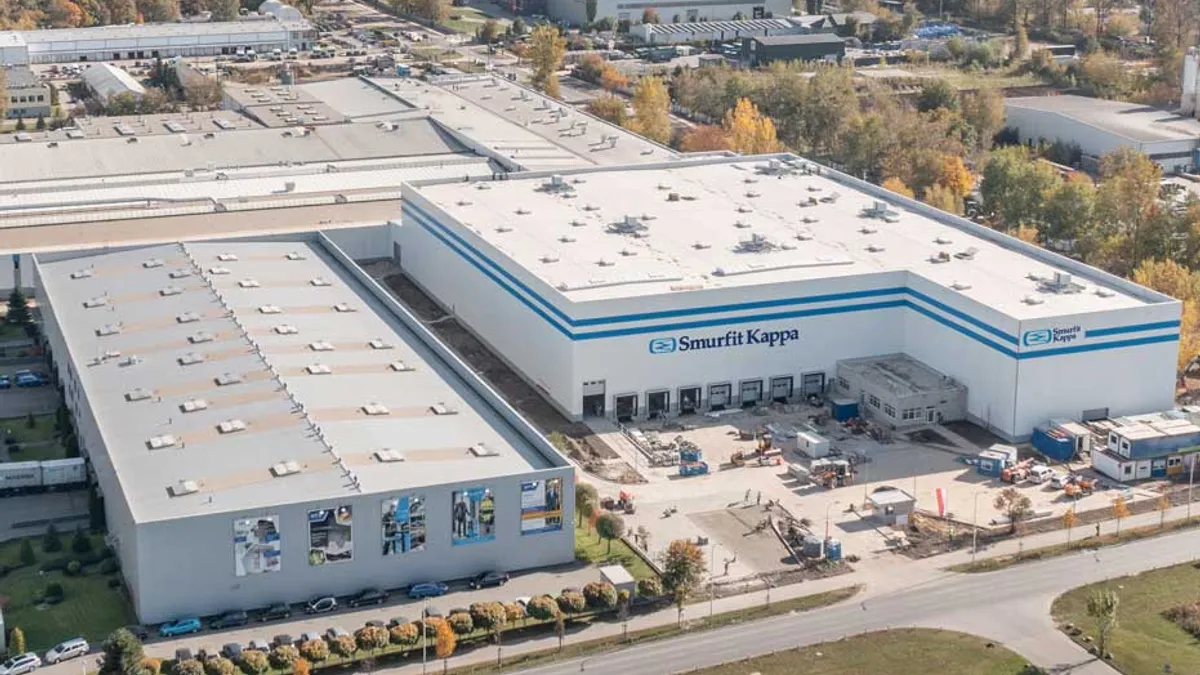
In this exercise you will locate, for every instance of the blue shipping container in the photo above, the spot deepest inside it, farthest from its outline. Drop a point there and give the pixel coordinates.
(842, 409)
(1055, 448)
(1161, 446)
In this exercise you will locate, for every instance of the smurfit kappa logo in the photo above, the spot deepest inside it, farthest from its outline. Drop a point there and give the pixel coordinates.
(663, 345)
(1045, 336)
(733, 338)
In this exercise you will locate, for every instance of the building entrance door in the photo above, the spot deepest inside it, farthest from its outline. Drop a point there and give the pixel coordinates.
(719, 395)
(658, 404)
(626, 407)
(593, 398)
(689, 400)
(812, 383)
(751, 393)
(781, 389)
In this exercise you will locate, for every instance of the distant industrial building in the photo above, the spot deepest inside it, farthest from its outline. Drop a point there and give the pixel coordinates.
(711, 31)
(1100, 126)
(105, 81)
(760, 51)
(688, 11)
(267, 423)
(150, 41)
(28, 96)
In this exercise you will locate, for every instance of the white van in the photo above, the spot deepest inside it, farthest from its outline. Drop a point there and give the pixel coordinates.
(1040, 473)
(276, 54)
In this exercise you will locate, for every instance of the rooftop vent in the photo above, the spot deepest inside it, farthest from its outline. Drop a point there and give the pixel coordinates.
(193, 405)
(1032, 300)
(555, 184)
(95, 302)
(343, 307)
(940, 257)
(286, 329)
(880, 210)
(757, 243)
(269, 309)
(231, 426)
(218, 271)
(248, 283)
(160, 442)
(138, 394)
(867, 229)
(169, 291)
(483, 186)
(751, 194)
(380, 344)
(1106, 292)
(152, 263)
(578, 223)
(830, 198)
(319, 369)
(522, 211)
(201, 337)
(108, 329)
(320, 346)
(400, 367)
(804, 236)
(503, 228)
(942, 241)
(630, 225)
(566, 239)
(131, 360)
(1061, 283)
(605, 262)
(388, 456)
(874, 248)
(549, 258)
(741, 224)
(296, 255)
(745, 209)
(227, 257)
(481, 450)
(180, 274)
(227, 379)
(590, 207)
(960, 286)
(805, 203)
(191, 359)
(701, 245)
(81, 274)
(183, 488)
(968, 254)
(187, 317)
(285, 469)
(375, 409)
(442, 409)
(320, 282)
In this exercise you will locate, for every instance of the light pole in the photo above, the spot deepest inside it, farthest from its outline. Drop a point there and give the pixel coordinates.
(975, 526)
(1191, 481)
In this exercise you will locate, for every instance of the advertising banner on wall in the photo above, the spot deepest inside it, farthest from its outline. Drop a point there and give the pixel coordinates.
(541, 506)
(473, 516)
(403, 525)
(330, 535)
(256, 545)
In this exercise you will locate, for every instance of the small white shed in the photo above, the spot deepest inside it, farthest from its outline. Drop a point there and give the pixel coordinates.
(619, 577)
(813, 445)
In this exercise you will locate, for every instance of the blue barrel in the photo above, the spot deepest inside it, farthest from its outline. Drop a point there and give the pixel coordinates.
(833, 549)
(812, 547)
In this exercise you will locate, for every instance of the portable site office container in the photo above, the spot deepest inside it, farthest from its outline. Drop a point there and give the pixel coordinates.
(812, 445)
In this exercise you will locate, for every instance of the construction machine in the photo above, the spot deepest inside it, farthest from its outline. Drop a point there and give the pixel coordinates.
(1079, 488)
(1017, 472)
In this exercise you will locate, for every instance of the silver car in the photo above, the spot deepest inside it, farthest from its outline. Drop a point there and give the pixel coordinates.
(68, 649)
(20, 664)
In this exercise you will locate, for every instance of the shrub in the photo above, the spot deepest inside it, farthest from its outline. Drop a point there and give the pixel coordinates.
(74, 568)
(218, 665)
(109, 566)
(431, 625)
(649, 587)
(461, 623)
(1186, 617)
(600, 595)
(488, 615)
(187, 667)
(54, 593)
(542, 608)
(315, 650)
(254, 662)
(371, 638)
(343, 645)
(283, 655)
(27, 555)
(81, 543)
(514, 612)
(152, 665)
(571, 602)
(405, 635)
(51, 542)
(114, 582)
(301, 667)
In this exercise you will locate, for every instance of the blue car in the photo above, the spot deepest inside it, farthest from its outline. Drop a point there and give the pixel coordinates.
(183, 626)
(28, 380)
(428, 590)
(5, 383)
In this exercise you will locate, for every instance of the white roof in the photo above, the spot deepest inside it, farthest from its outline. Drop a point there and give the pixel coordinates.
(1133, 121)
(724, 223)
(108, 80)
(37, 38)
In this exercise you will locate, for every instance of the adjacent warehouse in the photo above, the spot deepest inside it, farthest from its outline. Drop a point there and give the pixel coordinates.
(265, 424)
(715, 283)
(759, 51)
(711, 31)
(1099, 126)
(150, 41)
(105, 81)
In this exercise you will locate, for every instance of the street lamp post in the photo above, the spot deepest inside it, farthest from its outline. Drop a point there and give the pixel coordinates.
(1191, 481)
(975, 526)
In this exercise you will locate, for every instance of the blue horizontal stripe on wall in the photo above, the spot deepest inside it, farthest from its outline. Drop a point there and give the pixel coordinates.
(1138, 328)
(451, 240)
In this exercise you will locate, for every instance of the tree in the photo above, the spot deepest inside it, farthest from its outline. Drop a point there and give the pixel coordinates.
(1163, 505)
(21, 123)
(1027, 233)
(650, 15)
(26, 555)
(1126, 209)
(51, 542)
(651, 110)
(218, 665)
(301, 667)
(585, 492)
(560, 629)
(254, 662)
(600, 595)
(704, 138)
(1069, 521)
(1102, 606)
(343, 645)
(984, 112)
(542, 608)
(748, 130)
(941, 197)
(683, 569)
(461, 623)
(1021, 42)
(122, 653)
(649, 587)
(187, 667)
(40, 125)
(546, 49)
(1119, 510)
(223, 10)
(610, 109)
(371, 638)
(490, 31)
(315, 651)
(488, 615)
(954, 175)
(514, 612)
(937, 94)
(1014, 187)
(18, 308)
(896, 185)
(444, 644)
(80, 542)
(16, 640)
(1014, 504)
(610, 526)
(158, 11)
(1175, 280)
(571, 602)
(1067, 210)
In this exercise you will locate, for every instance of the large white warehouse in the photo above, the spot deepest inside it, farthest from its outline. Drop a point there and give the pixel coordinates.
(711, 283)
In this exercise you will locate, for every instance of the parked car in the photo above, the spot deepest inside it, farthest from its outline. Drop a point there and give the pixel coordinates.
(140, 632)
(232, 650)
(231, 619)
(21, 664)
(336, 632)
(183, 654)
(5, 382)
(29, 381)
(321, 605)
(259, 644)
(183, 626)
(1040, 473)
(397, 621)
(283, 639)
(489, 579)
(1060, 480)
(431, 589)
(309, 636)
(67, 649)
(276, 612)
(375, 623)
(370, 596)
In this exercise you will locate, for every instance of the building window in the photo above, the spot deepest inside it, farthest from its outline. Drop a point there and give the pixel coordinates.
(41, 98)
(910, 414)
(873, 401)
(889, 410)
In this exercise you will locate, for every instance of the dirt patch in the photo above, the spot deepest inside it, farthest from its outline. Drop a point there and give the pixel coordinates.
(974, 433)
(572, 438)
(931, 437)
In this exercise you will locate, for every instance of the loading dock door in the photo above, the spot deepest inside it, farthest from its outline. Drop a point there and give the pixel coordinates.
(593, 398)
(658, 404)
(719, 395)
(781, 389)
(751, 393)
(626, 407)
(689, 400)
(812, 383)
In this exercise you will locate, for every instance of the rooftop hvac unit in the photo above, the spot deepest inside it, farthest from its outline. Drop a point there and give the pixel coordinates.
(231, 426)
(400, 367)
(442, 409)
(184, 487)
(81, 274)
(227, 257)
(285, 469)
(227, 379)
(388, 456)
(380, 344)
(375, 409)
(138, 394)
(160, 442)
(180, 274)
(169, 291)
(187, 317)
(193, 405)
(319, 369)
(152, 263)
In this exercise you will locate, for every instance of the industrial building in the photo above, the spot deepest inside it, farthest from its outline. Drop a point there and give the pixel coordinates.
(28, 96)
(1153, 445)
(711, 31)
(575, 12)
(266, 421)
(105, 81)
(721, 282)
(760, 51)
(151, 41)
(899, 391)
(1100, 126)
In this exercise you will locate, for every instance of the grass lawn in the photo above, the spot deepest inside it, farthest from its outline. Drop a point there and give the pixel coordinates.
(896, 652)
(90, 608)
(43, 430)
(468, 19)
(1143, 640)
(591, 548)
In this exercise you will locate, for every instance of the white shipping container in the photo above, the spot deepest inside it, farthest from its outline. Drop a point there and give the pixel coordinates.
(63, 472)
(16, 475)
(811, 444)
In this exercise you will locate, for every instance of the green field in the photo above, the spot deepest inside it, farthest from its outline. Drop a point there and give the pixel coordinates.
(895, 652)
(1144, 640)
(42, 433)
(467, 20)
(591, 548)
(89, 608)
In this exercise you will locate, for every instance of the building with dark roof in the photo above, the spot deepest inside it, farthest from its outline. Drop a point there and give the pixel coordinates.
(759, 51)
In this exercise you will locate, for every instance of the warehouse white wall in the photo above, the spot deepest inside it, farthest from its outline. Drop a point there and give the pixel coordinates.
(575, 11)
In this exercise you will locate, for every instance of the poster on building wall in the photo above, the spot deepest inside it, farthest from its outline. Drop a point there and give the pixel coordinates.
(256, 545)
(403, 525)
(472, 516)
(330, 535)
(541, 506)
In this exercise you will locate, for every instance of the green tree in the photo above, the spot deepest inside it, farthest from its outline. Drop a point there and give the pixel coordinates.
(16, 640)
(371, 638)
(18, 308)
(315, 650)
(187, 667)
(461, 623)
(1014, 187)
(542, 608)
(1103, 606)
(610, 109)
(589, 8)
(158, 11)
(21, 123)
(51, 541)
(571, 602)
(80, 542)
(831, 103)
(405, 634)
(122, 654)
(488, 615)
(651, 110)
(585, 493)
(254, 662)
(546, 50)
(490, 31)
(1127, 211)
(600, 595)
(26, 555)
(40, 125)
(937, 94)
(282, 656)
(343, 645)
(1068, 209)
(610, 526)
(984, 112)
(1014, 504)
(218, 665)
(649, 587)
(224, 10)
